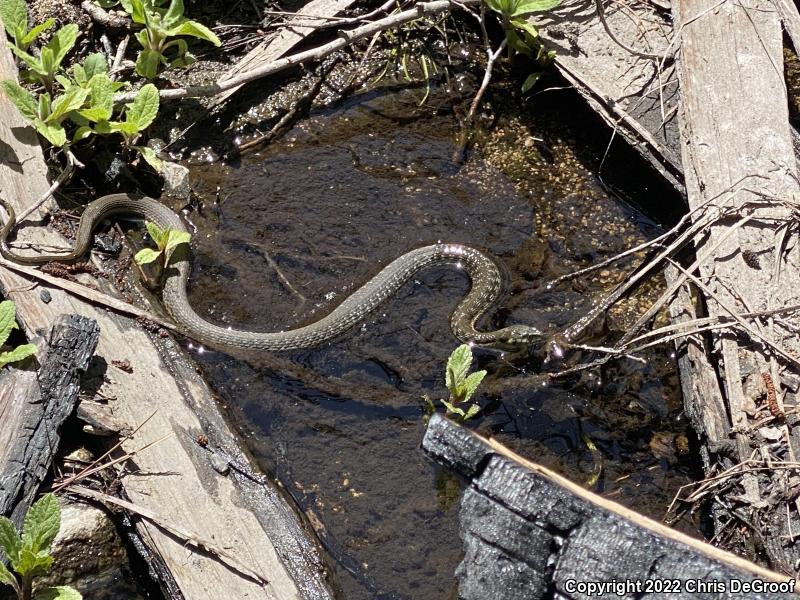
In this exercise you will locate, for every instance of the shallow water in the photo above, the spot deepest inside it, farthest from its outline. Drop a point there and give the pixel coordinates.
(303, 223)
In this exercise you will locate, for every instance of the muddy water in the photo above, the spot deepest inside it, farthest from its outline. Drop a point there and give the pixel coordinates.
(300, 225)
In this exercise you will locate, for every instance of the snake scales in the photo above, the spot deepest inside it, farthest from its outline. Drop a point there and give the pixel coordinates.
(483, 272)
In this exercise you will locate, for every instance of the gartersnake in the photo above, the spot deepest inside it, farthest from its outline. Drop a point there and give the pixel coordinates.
(484, 274)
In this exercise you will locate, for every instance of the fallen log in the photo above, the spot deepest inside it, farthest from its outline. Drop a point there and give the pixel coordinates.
(33, 406)
(529, 533)
(198, 479)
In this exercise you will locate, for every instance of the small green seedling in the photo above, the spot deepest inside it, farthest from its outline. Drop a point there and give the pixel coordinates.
(159, 36)
(29, 554)
(14, 14)
(461, 383)
(43, 68)
(166, 240)
(522, 37)
(8, 322)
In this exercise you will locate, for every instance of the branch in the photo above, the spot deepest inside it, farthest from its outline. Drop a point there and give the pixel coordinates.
(345, 38)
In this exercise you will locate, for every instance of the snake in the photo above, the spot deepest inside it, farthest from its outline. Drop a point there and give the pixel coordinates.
(485, 277)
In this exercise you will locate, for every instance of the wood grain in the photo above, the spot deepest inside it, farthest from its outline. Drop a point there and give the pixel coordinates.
(174, 478)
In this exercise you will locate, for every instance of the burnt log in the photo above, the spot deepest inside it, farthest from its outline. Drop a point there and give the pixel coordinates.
(530, 533)
(34, 406)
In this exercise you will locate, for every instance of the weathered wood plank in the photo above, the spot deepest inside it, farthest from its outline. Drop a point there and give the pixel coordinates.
(174, 478)
(637, 96)
(738, 153)
(285, 38)
(34, 405)
(528, 531)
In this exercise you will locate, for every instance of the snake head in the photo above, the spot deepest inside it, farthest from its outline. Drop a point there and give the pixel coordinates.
(517, 337)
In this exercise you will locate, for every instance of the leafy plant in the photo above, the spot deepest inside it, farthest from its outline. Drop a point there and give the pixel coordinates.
(461, 383)
(29, 553)
(8, 322)
(166, 240)
(14, 14)
(522, 37)
(160, 25)
(46, 115)
(43, 68)
(138, 115)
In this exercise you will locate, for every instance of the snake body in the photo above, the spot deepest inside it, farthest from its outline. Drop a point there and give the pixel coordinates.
(484, 274)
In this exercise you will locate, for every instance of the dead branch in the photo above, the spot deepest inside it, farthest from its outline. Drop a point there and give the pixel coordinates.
(345, 38)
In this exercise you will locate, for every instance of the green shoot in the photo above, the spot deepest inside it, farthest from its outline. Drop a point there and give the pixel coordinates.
(159, 38)
(166, 240)
(8, 322)
(29, 553)
(43, 68)
(461, 383)
(522, 37)
(14, 14)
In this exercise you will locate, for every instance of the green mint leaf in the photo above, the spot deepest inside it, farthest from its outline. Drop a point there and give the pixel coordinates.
(62, 592)
(52, 132)
(95, 64)
(135, 8)
(146, 255)
(102, 96)
(10, 541)
(6, 577)
(471, 384)
(126, 128)
(42, 523)
(452, 408)
(95, 114)
(158, 235)
(70, 100)
(195, 29)
(8, 316)
(183, 60)
(31, 61)
(144, 108)
(460, 361)
(47, 60)
(44, 105)
(63, 41)
(65, 82)
(174, 15)
(526, 27)
(32, 563)
(28, 38)
(14, 14)
(17, 354)
(524, 7)
(22, 98)
(174, 239)
(79, 74)
(530, 81)
(150, 156)
(473, 410)
(81, 133)
(450, 380)
(147, 63)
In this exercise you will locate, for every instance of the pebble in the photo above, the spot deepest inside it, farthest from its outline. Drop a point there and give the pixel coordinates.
(45, 296)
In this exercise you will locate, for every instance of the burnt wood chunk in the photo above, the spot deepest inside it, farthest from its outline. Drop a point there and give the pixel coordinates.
(529, 533)
(34, 406)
